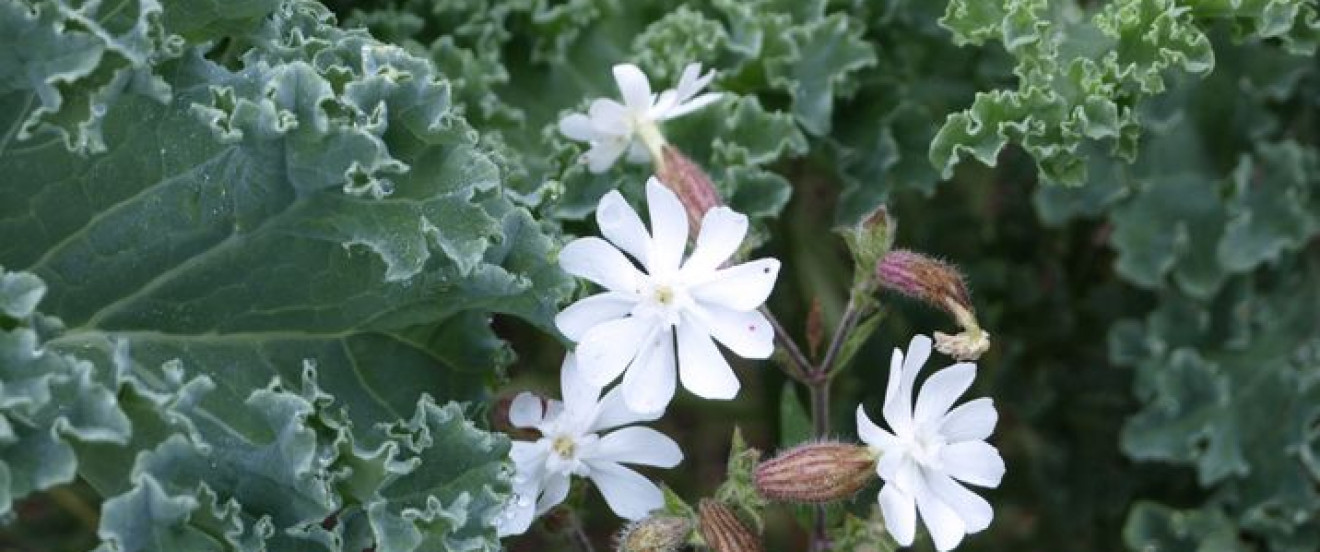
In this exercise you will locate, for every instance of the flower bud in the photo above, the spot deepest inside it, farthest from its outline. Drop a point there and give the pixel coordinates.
(691, 184)
(918, 276)
(659, 533)
(724, 532)
(869, 241)
(816, 472)
(940, 285)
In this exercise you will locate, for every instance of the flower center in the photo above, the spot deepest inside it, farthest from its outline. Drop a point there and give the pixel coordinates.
(925, 448)
(664, 295)
(564, 446)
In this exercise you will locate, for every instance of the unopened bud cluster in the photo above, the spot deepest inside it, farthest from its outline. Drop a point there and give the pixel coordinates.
(724, 532)
(659, 533)
(816, 472)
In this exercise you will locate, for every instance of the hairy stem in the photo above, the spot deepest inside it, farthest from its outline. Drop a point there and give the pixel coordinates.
(801, 368)
(847, 323)
(577, 533)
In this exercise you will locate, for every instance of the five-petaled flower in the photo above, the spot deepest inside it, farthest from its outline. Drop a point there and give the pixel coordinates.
(571, 444)
(931, 449)
(611, 128)
(632, 327)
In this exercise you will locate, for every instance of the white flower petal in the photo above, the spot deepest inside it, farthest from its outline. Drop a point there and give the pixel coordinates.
(898, 402)
(975, 512)
(620, 224)
(526, 410)
(519, 511)
(633, 86)
(638, 445)
(973, 462)
(943, 524)
(637, 153)
(579, 394)
(596, 260)
(607, 349)
(889, 466)
(701, 367)
(693, 105)
(604, 153)
(663, 103)
(613, 412)
(649, 383)
(742, 288)
(918, 352)
(872, 435)
(689, 82)
(577, 127)
(900, 512)
(940, 391)
(630, 495)
(722, 233)
(669, 228)
(747, 334)
(527, 458)
(609, 118)
(972, 421)
(580, 317)
(556, 490)
(896, 410)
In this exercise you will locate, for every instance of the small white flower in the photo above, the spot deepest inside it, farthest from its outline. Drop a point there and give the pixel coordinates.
(571, 444)
(634, 324)
(931, 450)
(613, 128)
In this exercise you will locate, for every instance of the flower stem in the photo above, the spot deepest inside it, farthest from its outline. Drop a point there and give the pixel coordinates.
(852, 314)
(577, 533)
(801, 368)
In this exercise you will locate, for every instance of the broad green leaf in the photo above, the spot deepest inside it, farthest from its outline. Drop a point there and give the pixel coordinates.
(1151, 525)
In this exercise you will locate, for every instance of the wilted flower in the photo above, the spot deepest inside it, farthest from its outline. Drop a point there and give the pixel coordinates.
(571, 444)
(633, 325)
(931, 450)
(940, 285)
(613, 128)
(657, 533)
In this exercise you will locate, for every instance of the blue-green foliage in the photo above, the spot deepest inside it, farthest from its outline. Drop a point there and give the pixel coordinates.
(252, 247)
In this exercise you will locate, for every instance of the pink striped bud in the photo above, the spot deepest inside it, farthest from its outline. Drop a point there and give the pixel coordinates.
(691, 184)
(816, 472)
(724, 532)
(920, 277)
(940, 285)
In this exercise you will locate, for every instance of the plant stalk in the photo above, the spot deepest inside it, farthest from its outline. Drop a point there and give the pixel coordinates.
(801, 368)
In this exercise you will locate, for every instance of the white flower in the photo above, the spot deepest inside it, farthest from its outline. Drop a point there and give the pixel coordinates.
(613, 128)
(570, 444)
(931, 450)
(634, 324)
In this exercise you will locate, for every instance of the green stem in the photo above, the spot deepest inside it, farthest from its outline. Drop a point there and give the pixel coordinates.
(800, 368)
(852, 314)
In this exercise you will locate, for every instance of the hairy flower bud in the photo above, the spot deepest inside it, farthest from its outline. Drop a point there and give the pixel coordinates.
(918, 276)
(940, 285)
(691, 184)
(659, 533)
(724, 532)
(816, 472)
